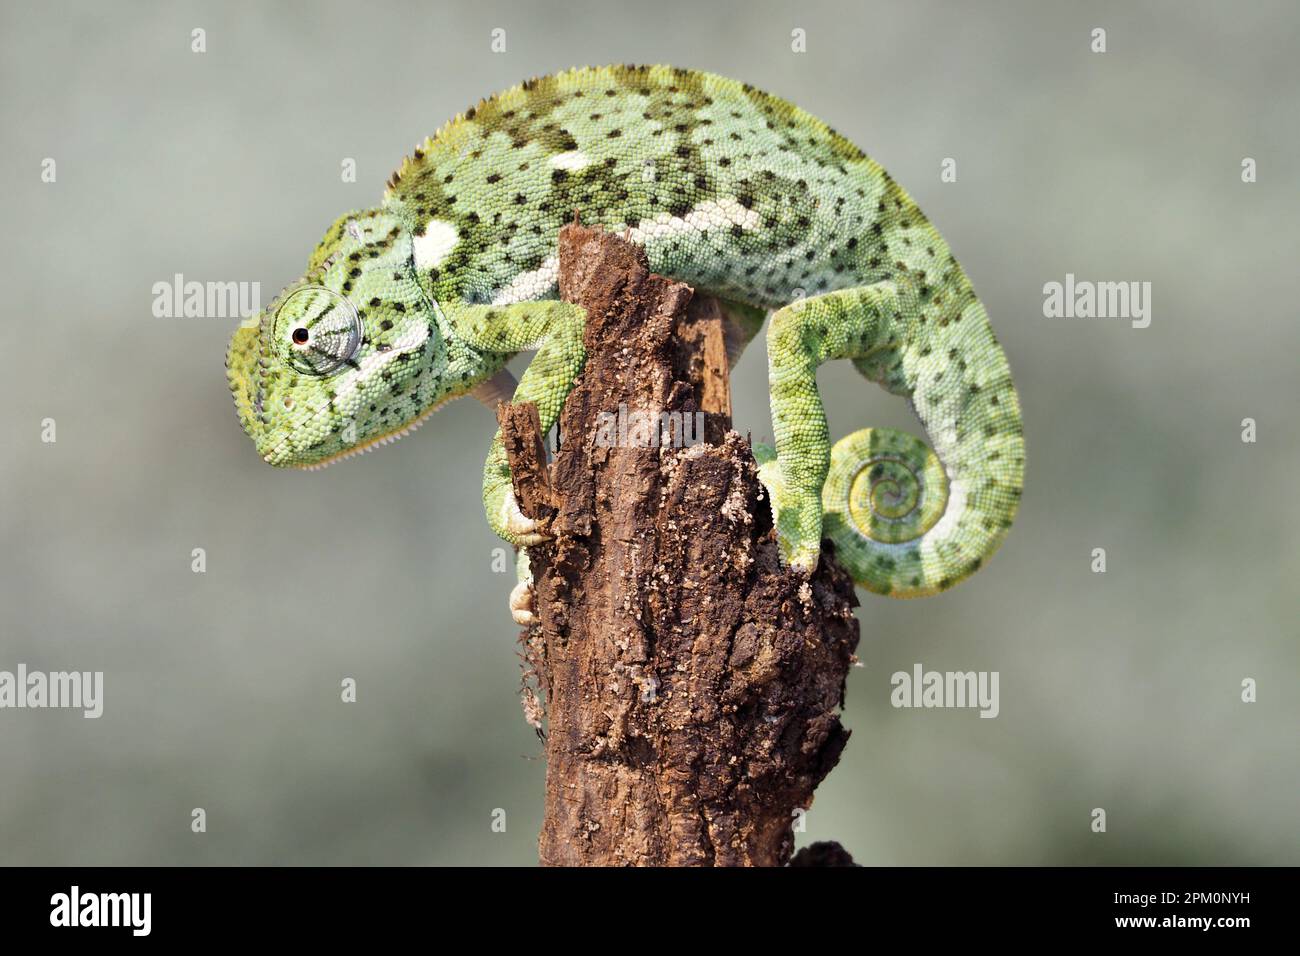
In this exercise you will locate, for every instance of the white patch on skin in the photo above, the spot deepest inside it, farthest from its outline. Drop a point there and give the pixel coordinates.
(529, 286)
(708, 216)
(714, 215)
(370, 365)
(435, 245)
(573, 160)
(946, 526)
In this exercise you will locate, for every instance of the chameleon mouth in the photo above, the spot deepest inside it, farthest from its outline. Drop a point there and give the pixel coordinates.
(377, 442)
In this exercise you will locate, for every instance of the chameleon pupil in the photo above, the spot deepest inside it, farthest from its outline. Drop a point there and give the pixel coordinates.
(300, 336)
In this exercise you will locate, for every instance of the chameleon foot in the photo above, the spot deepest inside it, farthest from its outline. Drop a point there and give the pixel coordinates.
(521, 603)
(793, 516)
(522, 529)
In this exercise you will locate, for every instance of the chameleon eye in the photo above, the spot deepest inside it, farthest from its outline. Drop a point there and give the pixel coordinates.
(320, 330)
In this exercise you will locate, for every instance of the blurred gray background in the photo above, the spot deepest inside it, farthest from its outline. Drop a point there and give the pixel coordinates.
(1118, 690)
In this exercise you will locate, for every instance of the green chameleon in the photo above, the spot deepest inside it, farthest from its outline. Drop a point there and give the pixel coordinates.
(742, 195)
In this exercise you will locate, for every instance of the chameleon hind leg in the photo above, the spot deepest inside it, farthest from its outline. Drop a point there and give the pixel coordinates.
(847, 323)
(905, 521)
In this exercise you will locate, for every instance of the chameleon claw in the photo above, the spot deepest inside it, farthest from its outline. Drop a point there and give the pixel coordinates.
(805, 561)
(522, 529)
(799, 552)
(521, 603)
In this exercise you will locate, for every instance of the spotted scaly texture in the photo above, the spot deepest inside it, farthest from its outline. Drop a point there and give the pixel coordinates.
(742, 195)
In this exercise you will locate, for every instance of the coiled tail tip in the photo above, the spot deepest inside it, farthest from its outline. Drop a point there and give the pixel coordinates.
(901, 527)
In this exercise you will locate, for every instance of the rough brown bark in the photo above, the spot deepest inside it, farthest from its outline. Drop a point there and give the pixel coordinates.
(691, 684)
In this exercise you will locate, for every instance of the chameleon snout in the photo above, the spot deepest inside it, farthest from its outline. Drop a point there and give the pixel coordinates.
(244, 373)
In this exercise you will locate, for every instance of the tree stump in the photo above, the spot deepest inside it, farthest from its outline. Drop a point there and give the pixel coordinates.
(691, 685)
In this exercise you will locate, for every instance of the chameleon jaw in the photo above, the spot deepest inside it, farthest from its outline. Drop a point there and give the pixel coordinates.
(385, 439)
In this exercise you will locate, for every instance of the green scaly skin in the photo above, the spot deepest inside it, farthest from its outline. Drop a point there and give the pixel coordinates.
(740, 194)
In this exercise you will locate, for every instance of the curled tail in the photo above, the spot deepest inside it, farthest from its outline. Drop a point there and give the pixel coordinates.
(899, 526)
(906, 520)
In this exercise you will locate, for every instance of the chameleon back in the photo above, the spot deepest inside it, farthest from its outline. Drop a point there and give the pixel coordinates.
(740, 193)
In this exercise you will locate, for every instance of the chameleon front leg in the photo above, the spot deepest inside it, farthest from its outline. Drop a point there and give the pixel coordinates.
(505, 330)
(547, 381)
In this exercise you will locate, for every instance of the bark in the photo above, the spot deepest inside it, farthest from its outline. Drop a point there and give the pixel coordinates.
(691, 685)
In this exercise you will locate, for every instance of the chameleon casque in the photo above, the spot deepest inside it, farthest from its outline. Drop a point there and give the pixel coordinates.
(740, 194)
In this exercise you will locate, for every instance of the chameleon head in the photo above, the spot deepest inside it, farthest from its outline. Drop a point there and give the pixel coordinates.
(345, 358)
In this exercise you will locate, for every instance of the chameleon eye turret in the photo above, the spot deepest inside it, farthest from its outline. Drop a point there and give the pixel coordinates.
(351, 355)
(319, 329)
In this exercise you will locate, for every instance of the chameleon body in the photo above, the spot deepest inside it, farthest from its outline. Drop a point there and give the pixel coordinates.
(736, 192)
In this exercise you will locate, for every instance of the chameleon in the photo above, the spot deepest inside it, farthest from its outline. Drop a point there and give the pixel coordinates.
(744, 196)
